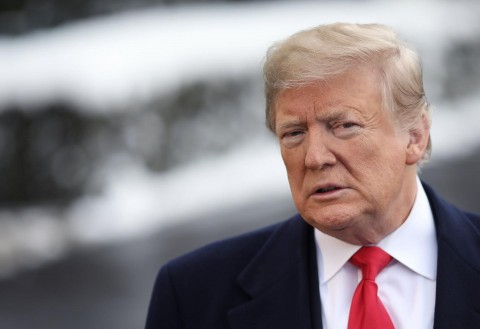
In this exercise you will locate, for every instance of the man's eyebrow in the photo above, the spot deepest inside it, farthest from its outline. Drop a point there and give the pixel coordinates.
(290, 124)
(324, 115)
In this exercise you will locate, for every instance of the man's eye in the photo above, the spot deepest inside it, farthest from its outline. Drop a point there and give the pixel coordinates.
(345, 125)
(292, 138)
(346, 130)
(294, 133)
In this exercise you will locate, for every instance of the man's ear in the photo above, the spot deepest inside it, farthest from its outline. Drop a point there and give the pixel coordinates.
(419, 139)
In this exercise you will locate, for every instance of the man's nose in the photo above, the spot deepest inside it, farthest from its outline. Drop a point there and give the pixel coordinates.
(318, 151)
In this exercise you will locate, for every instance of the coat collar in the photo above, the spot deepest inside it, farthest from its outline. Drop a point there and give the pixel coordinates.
(457, 302)
(282, 282)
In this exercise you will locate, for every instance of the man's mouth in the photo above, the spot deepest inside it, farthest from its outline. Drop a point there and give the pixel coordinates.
(328, 189)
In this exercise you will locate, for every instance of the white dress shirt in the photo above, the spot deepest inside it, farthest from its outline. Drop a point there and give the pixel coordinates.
(406, 286)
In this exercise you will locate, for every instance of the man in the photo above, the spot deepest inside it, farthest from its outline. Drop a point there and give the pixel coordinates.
(347, 104)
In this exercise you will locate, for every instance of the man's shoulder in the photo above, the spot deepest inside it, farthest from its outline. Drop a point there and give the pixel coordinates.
(457, 230)
(450, 213)
(474, 218)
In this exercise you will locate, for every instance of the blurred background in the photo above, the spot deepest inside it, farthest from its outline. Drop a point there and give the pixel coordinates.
(132, 131)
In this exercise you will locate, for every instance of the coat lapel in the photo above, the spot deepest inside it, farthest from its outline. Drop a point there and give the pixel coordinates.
(457, 302)
(282, 283)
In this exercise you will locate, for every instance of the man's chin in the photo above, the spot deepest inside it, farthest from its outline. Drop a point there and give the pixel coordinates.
(334, 223)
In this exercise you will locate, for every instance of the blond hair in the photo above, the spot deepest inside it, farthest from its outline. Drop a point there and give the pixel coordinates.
(327, 51)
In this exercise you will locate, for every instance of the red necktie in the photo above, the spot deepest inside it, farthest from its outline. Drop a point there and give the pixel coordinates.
(367, 310)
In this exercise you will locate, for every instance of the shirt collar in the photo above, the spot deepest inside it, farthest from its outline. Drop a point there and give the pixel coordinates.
(414, 243)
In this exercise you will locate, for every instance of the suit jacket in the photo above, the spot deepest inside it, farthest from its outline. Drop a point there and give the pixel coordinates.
(268, 279)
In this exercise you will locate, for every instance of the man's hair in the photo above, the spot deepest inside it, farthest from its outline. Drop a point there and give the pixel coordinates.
(327, 51)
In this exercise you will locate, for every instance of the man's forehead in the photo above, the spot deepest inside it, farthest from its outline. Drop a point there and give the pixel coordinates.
(326, 115)
(348, 92)
(293, 105)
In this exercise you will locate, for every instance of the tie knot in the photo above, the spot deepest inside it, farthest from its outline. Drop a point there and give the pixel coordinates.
(371, 260)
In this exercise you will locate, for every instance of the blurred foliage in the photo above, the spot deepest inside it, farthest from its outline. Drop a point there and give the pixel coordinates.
(51, 154)
(41, 155)
(21, 16)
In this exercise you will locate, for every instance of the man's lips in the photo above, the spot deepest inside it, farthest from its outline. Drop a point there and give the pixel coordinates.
(326, 188)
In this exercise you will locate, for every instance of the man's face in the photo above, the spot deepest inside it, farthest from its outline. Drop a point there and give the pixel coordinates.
(347, 162)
